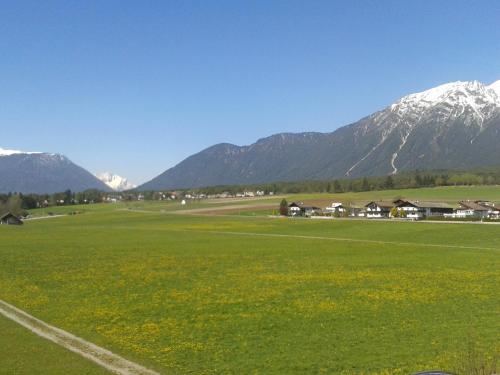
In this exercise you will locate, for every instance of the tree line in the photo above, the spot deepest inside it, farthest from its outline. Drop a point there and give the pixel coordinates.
(18, 203)
(406, 180)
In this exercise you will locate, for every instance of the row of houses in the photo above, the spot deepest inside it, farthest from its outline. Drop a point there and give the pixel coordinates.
(402, 208)
(226, 194)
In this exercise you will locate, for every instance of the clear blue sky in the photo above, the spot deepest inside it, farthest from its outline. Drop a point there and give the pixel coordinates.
(133, 87)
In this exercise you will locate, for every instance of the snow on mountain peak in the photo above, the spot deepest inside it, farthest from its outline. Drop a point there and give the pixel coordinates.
(473, 94)
(115, 182)
(495, 86)
(6, 152)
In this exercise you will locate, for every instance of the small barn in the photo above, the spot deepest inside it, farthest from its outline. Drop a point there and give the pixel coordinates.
(10, 219)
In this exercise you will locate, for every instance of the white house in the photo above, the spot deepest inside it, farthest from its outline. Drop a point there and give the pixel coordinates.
(299, 209)
(470, 209)
(411, 210)
(378, 209)
(336, 208)
(417, 210)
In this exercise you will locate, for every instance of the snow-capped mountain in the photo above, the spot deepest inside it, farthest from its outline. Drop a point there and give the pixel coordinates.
(4, 152)
(115, 182)
(455, 125)
(43, 173)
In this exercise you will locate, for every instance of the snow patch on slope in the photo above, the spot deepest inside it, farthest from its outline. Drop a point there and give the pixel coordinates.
(404, 138)
(384, 137)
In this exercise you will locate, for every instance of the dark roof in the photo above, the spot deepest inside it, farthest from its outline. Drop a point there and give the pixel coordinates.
(7, 215)
(426, 204)
(485, 203)
(302, 206)
(382, 204)
(474, 206)
(10, 215)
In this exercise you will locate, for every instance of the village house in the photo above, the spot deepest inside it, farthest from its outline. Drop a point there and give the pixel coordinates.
(378, 209)
(494, 212)
(299, 209)
(417, 210)
(10, 219)
(475, 210)
(356, 210)
(337, 209)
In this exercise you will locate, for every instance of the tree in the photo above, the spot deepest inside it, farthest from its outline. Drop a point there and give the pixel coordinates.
(389, 182)
(284, 208)
(68, 197)
(365, 185)
(337, 188)
(418, 179)
(14, 205)
(28, 202)
(394, 212)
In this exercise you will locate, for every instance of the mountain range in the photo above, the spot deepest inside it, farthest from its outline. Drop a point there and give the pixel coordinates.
(43, 173)
(452, 126)
(455, 125)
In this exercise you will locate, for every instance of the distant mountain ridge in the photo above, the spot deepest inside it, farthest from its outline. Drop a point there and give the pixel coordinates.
(455, 125)
(43, 173)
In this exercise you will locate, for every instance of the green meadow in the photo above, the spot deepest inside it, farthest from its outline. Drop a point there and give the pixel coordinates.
(23, 353)
(444, 193)
(220, 295)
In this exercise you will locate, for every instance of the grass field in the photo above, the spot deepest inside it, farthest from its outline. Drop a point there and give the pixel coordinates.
(445, 193)
(207, 294)
(23, 353)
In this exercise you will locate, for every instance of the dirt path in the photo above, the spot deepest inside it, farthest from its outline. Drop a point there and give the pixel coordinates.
(223, 209)
(101, 356)
(232, 200)
(43, 217)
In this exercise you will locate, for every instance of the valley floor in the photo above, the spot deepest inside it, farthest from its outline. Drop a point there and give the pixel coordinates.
(224, 294)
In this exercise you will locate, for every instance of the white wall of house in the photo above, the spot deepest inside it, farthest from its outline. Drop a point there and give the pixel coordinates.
(411, 212)
(463, 213)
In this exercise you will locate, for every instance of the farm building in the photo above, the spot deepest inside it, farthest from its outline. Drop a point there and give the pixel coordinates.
(299, 209)
(10, 219)
(420, 209)
(378, 209)
(356, 210)
(477, 210)
(336, 208)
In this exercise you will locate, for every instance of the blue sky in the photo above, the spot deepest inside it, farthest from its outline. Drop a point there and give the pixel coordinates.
(134, 87)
